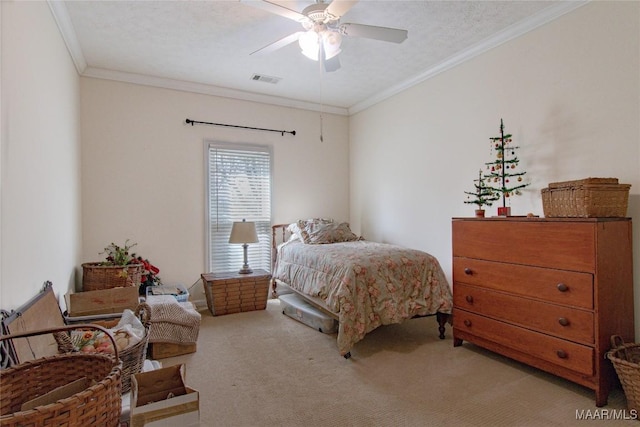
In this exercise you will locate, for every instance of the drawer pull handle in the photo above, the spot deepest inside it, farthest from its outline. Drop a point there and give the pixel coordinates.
(563, 321)
(562, 287)
(468, 271)
(469, 299)
(562, 354)
(467, 322)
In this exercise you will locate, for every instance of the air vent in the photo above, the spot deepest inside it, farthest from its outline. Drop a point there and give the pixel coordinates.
(265, 79)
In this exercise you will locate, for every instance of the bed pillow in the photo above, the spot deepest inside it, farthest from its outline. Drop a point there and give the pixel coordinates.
(329, 233)
(300, 228)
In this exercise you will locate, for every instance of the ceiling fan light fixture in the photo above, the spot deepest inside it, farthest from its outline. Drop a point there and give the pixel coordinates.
(310, 44)
(331, 42)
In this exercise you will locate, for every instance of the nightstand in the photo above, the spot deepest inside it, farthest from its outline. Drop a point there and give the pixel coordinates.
(232, 292)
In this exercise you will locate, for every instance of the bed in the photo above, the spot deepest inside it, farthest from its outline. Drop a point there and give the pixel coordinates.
(360, 283)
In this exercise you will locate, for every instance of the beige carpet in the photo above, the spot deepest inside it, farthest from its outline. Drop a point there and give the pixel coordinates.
(262, 368)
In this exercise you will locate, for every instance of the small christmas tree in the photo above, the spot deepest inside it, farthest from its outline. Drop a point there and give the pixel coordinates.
(483, 194)
(501, 171)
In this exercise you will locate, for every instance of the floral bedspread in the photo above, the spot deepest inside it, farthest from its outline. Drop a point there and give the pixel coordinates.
(366, 284)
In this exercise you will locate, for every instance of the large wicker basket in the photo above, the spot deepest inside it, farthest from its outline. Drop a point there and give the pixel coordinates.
(586, 198)
(96, 277)
(98, 405)
(626, 361)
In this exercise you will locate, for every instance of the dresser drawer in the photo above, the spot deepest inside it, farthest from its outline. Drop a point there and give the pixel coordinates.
(557, 286)
(559, 245)
(561, 321)
(576, 357)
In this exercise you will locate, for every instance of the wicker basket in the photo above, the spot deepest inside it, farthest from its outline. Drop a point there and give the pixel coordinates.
(132, 357)
(586, 198)
(96, 277)
(626, 361)
(97, 405)
(229, 293)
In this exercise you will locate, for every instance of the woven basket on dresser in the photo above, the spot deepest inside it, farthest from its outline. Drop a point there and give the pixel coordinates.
(96, 277)
(586, 198)
(626, 361)
(98, 405)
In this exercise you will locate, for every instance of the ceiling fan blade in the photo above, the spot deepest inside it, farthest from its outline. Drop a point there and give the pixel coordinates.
(276, 9)
(338, 8)
(278, 44)
(372, 32)
(332, 64)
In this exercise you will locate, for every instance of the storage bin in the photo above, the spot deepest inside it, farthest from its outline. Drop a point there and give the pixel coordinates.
(178, 291)
(300, 310)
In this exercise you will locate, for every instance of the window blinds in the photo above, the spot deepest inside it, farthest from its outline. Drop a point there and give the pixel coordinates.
(239, 187)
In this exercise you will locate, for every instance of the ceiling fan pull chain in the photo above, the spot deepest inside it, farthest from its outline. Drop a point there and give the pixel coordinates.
(320, 68)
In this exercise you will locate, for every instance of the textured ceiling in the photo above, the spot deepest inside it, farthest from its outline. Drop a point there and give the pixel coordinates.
(207, 44)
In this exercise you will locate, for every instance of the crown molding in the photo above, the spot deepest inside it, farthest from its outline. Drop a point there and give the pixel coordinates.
(61, 16)
(145, 80)
(516, 30)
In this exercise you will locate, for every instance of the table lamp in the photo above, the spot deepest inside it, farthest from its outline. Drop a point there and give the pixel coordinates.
(244, 232)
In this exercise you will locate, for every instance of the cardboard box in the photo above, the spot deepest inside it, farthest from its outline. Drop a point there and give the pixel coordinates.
(160, 398)
(59, 393)
(105, 301)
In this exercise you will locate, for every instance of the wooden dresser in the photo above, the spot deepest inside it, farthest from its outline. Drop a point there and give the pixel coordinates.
(546, 292)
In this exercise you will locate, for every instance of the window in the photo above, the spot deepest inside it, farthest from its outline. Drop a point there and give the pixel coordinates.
(239, 187)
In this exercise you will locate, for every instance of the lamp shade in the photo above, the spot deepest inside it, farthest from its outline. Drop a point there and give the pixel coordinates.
(243, 232)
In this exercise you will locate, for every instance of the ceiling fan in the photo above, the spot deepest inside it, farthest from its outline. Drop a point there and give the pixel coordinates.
(322, 35)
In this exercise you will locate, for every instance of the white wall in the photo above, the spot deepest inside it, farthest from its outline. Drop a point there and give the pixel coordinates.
(568, 91)
(40, 191)
(143, 169)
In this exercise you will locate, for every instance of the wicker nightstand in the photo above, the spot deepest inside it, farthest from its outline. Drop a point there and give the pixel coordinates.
(232, 292)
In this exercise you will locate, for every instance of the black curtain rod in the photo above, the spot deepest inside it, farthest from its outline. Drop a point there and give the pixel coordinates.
(282, 132)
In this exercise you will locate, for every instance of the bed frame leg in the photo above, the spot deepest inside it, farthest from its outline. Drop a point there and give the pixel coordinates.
(442, 318)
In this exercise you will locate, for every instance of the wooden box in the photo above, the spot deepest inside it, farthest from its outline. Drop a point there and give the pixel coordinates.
(105, 301)
(232, 292)
(586, 198)
(162, 350)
